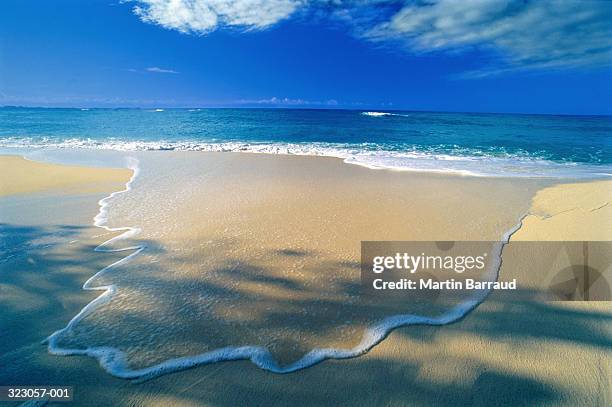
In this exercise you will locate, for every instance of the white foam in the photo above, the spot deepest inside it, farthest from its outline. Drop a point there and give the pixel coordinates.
(376, 114)
(462, 162)
(115, 362)
(100, 221)
(383, 114)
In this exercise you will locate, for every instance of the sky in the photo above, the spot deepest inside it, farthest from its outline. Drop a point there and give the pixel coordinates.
(550, 57)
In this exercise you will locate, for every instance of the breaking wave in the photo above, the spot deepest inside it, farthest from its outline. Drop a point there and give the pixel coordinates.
(453, 160)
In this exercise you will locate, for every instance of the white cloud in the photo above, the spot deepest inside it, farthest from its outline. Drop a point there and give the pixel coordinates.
(203, 16)
(160, 70)
(516, 34)
(523, 34)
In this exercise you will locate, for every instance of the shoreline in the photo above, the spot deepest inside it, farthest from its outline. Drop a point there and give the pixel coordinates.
(113, 360)
(442, 163)
(375, 345)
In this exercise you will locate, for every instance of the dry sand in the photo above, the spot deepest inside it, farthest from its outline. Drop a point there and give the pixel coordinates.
(20, 176)
(575, 222)
(520, 352)
(564, 212)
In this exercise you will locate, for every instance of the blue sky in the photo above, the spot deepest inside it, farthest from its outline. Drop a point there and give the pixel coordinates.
(446, 55)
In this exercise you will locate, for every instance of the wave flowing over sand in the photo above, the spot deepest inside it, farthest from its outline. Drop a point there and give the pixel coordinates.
(115, 361)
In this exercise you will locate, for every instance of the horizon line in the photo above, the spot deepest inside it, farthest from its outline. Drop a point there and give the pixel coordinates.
(366, 109)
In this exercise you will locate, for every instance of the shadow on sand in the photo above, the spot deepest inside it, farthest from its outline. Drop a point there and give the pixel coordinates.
(40, 291)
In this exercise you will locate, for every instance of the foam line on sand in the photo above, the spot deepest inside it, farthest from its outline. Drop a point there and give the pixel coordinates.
(114, 361)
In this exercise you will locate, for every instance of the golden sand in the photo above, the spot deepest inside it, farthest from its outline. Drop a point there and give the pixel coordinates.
(267, 249)
(21, 176)
(505, 352)
(581, 211)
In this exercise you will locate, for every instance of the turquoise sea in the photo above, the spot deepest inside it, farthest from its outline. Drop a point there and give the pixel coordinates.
(464, 143)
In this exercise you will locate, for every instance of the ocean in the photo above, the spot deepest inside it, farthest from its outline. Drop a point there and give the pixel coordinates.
(506, 145)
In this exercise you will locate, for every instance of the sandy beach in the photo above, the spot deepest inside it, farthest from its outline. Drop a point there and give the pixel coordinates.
(272, 242)
(21, 176)
(570, 212)
(306, 203)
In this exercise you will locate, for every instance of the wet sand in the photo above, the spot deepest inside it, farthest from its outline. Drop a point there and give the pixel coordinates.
(530, 352)
(267, 250)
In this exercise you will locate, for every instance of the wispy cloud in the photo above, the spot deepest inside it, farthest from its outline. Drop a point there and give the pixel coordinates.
(523, 35)
(516, 34)
(160, 70)
(275, 101)
(203, 16)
